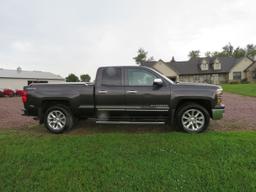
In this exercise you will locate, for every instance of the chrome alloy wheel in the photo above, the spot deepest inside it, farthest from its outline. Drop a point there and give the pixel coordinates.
(193, 120)
(56, 120)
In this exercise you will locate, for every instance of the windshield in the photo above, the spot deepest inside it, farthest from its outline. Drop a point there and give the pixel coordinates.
(160, 74)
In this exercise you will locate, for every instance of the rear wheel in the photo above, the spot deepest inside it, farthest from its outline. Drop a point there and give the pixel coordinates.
(193, 118)
(58, 118)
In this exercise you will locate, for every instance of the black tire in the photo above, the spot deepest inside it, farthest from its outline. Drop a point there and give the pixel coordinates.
(193, 128)
(69, 119)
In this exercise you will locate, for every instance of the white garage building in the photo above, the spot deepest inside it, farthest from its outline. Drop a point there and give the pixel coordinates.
(17, 79)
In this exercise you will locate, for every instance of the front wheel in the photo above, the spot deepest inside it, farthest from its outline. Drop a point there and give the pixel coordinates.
(58, 119)
(193, 118)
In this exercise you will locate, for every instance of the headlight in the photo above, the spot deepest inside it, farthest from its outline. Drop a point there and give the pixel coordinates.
(219, 96)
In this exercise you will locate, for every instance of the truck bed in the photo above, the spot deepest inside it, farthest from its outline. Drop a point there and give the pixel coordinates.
(80, 96)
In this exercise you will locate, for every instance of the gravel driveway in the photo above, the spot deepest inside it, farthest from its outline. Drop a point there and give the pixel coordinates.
(240, 114)
(10, 113)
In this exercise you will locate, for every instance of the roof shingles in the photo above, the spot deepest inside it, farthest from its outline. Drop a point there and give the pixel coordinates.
(192, 66)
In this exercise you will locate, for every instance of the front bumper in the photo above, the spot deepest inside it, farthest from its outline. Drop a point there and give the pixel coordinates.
(217, 113)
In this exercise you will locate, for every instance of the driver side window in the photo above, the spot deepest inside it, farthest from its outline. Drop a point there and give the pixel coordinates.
(140, 77)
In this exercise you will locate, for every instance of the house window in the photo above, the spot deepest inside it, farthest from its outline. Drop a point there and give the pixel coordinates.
(216, 65)
(254, 74)
(196, 78)
(30, 82)
(173, 78)
(204, 65)
(215, 76)
(215, 79)
(237, 75)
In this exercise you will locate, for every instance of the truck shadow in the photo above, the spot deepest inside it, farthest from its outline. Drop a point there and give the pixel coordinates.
(89, 127)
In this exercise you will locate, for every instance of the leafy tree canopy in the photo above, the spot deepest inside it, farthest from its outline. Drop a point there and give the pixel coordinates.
(230, 50)
(142, 57)
(194, 54)
(85, 78)
(72, 78)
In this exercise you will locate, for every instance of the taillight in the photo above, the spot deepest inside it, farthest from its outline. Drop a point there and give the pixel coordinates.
(24, 96)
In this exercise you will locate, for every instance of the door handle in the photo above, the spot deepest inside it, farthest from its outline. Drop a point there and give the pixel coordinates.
(102, 91)
(132, 92)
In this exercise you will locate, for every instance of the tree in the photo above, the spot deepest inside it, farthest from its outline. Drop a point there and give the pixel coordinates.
(85, 78)
(194, 54)
(72, 78)
(141, 56)
(228, 50)
(239, 52)
(215, 54)
(208, 54)
(251, 50)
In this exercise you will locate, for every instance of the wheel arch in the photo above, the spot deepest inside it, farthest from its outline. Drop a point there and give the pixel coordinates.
(206, 103)
(49, 103)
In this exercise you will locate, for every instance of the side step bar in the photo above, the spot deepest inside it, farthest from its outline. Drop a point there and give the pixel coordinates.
(130, 122)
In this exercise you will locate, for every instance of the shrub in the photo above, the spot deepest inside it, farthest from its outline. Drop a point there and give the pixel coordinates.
(234, 82)
(244, 81)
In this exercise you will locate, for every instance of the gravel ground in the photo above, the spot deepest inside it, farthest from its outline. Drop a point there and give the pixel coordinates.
(240, 114)
(11, 114)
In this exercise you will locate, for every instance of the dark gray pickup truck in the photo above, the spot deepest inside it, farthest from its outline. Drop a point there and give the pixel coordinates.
(126, 94)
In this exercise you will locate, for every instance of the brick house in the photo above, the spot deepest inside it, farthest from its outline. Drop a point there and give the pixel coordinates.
(215, 70)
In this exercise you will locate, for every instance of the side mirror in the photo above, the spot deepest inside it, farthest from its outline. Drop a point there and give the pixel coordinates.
(158, 82)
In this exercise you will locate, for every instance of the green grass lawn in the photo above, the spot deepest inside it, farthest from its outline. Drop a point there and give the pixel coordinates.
(212, 161)
(241, 89)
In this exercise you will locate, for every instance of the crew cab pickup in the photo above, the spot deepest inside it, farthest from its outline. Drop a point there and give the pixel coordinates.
(125, 94)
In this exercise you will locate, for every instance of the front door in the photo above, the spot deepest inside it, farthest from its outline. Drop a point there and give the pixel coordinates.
(145, 101)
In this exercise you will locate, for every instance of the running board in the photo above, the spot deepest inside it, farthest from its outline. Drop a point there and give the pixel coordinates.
(130, 122)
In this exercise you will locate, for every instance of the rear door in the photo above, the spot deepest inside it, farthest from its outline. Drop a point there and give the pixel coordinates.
(109, 94)
(143, 100)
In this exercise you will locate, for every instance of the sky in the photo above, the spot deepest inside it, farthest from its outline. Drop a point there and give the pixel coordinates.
(78, 36)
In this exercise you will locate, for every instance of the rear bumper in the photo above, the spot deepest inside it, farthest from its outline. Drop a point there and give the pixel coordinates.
(30, 112)
(217, 113)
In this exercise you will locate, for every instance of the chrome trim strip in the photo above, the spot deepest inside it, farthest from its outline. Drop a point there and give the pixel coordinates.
(129, 122)
(163, 110)
(86, 107)
(112, 109)
(133, 108)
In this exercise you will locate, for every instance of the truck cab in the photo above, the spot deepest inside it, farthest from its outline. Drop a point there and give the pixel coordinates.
(131, 93)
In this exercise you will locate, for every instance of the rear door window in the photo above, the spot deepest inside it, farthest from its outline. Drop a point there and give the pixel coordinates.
(112, 76)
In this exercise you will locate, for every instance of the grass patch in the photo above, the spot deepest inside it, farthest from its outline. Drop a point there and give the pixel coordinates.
(213, 161)
(241, 89)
